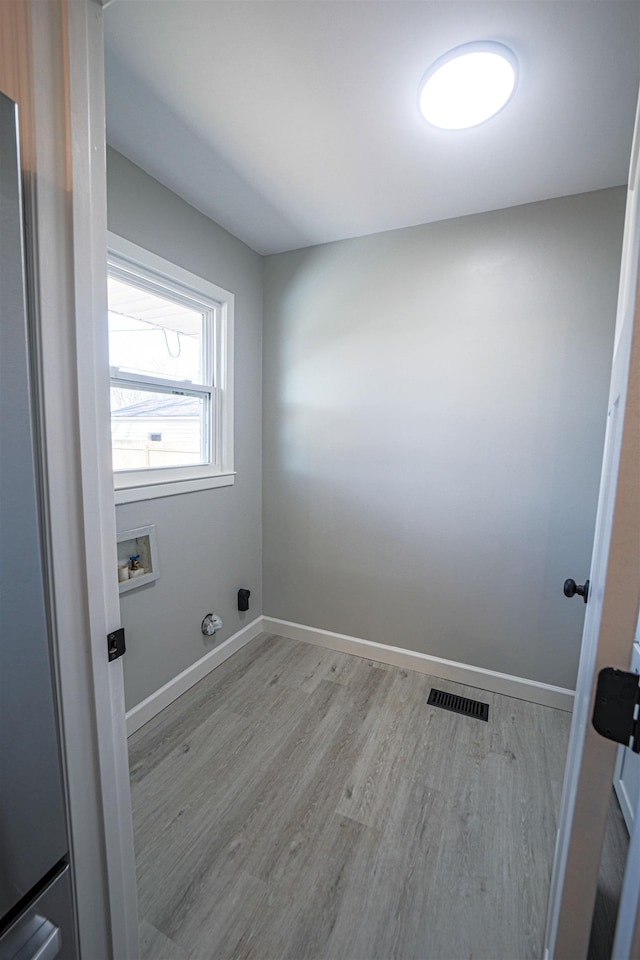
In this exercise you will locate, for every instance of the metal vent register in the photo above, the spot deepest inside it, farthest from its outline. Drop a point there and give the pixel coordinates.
(449, 701)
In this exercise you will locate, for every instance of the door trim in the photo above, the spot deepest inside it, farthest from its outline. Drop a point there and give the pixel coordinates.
(611, 618)
(89, 217)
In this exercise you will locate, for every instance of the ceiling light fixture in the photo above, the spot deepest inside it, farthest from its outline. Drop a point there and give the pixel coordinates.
(468, 85)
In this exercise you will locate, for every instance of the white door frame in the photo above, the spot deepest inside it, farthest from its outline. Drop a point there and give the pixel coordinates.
(89, 214)
(611, 616)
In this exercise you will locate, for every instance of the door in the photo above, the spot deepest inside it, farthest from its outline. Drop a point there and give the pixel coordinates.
(612, 614)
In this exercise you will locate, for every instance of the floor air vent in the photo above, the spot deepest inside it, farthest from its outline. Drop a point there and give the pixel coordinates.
(449, 701)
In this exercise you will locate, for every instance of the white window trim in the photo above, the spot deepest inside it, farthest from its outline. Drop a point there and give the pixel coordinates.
(133, 485)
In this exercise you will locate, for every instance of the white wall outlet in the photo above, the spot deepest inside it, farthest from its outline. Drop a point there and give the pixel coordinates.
(211, 624)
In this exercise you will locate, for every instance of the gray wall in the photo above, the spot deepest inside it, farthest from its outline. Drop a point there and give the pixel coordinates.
(209, 542)
(434, 412)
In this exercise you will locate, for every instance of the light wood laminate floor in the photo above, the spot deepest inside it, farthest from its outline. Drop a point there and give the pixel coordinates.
(299, 803)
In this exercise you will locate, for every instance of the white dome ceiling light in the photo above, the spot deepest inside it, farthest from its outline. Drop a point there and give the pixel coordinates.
(468, 85)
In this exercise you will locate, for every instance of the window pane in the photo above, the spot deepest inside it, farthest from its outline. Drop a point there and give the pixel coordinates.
(154, 335)
(154, 429)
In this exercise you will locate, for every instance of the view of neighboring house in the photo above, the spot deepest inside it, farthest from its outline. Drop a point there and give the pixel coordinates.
(155, 432)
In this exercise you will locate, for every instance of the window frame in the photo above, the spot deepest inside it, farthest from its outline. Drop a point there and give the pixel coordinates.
(128, 261)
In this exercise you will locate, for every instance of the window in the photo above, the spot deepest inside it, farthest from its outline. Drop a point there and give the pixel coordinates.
(170, 357)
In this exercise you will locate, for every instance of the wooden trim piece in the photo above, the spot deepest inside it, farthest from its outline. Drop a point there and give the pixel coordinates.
(16, 78)
(152, 491)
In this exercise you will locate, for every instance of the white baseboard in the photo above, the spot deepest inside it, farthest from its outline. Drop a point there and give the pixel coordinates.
(624, 800)
(147, 709)
(504, 683)
(531, 690)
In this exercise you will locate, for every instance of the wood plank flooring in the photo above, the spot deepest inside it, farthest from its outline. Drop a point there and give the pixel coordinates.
(300, 804)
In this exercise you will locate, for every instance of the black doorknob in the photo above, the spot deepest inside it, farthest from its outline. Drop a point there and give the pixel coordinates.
(571, 588)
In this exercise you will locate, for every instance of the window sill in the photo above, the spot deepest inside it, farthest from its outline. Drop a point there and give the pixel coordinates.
(168, 488)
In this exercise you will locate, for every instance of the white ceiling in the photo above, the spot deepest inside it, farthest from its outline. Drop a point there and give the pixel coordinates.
(296, 123)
